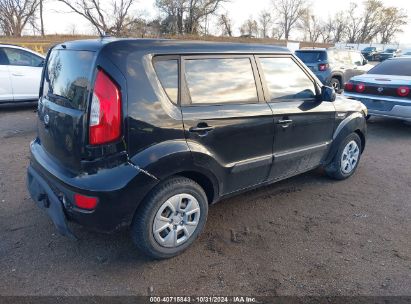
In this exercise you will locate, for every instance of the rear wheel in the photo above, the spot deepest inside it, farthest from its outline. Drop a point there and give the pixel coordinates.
(170, 219)
(346, 160)
(336, 84)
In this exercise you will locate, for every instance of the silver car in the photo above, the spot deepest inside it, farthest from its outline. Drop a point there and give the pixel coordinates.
(385, 89)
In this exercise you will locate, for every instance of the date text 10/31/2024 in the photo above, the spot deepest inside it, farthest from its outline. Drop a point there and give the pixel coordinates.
(203, 299)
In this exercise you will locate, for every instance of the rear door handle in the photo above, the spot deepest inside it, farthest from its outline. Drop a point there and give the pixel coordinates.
(201, 129)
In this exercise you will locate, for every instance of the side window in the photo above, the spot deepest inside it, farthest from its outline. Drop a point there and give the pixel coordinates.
(356, 59)
(345, 57)
(286, 80)
(167, 72)
(22, 58)
(220, 80)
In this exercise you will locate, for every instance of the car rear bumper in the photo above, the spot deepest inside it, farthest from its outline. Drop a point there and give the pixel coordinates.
(119, 191)
(384, 106)
(47, 200)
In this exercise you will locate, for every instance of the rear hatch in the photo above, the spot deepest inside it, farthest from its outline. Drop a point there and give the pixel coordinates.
(315, 60)
(63, 105)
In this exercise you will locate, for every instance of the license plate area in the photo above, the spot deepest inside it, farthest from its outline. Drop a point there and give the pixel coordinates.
(377, 105)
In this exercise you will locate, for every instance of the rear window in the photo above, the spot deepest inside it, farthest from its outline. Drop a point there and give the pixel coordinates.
(311, 56)
(167, 72)
(400, 67)
(67, 77)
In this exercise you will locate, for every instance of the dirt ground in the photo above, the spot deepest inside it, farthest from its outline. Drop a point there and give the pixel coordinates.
(307, 235)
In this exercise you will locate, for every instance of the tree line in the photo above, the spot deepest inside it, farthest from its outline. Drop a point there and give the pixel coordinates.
(373, 22)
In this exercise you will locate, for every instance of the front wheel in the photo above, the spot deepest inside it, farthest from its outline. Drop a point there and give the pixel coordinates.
(346, 160)
(170, 219)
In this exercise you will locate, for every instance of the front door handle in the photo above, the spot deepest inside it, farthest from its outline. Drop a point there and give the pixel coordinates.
(17, 74)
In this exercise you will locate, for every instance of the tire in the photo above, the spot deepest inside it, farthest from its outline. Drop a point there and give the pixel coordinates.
(339, 169)
(336, 84)
(170, 197)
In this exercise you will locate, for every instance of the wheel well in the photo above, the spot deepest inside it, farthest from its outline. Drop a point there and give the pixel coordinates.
(362, 137)
(203, 181)
(339, 78)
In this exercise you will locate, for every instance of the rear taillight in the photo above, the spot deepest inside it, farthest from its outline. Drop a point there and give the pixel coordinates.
(403, 91)
(349, 86)
(105, 114)
(360, 87)
(323, 66)
(85, 202)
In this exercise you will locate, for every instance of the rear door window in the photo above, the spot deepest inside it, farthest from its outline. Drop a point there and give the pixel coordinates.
(67, 77)
(286, 80)
(220, 80)
(22, 58)
(167, 72)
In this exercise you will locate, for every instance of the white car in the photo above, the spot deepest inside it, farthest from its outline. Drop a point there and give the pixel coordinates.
(20, 74)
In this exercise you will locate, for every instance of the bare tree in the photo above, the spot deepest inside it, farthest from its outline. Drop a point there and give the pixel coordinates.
(110, 20)
(277, 32)
(41, 9)
(393, 19)
(340, 26)
(249, 28)
(310, 25)
(289, 12)
(353, 26)
(264, 21)
(185, 16)
(371, 20)
(225, 23)
(15, 15)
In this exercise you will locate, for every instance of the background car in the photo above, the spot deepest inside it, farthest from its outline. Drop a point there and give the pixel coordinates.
(20, 74)
(389, 53)
(334, 67)
(370, 53)
(406, 53)
(385, 89)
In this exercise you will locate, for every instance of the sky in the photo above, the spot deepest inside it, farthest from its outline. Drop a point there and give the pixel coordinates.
(59, 20)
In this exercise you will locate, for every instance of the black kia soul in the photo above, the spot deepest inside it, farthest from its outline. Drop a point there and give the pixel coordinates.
(148, 133)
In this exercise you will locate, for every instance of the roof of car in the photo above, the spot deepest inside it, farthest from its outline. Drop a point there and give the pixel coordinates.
(171, 46)
(311, 49)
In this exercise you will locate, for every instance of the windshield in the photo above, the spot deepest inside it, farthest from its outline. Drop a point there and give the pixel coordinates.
(369, 49)
(390, 50)
(311, 56)
(400, 67)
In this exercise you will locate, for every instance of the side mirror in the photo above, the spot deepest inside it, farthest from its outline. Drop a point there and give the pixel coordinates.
(364, 62)
(328, 94)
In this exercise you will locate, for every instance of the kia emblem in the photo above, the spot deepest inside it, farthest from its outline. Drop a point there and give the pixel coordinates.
(46, 119)
(380, 90)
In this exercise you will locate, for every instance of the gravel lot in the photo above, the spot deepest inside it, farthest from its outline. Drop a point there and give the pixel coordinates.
(307, 235)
